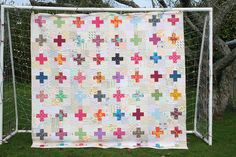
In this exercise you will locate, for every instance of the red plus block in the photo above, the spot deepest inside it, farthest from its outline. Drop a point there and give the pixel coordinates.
(40, 21)
(80, 115)
(118, 96)
(97, 22)
(136, 58)
(138, 114)
(60, 77)
(41, 115)
(41, 59)
(119, 133)
(98, 59)
(173, 20)
(59, 40)
(156, 76)
(176, 132)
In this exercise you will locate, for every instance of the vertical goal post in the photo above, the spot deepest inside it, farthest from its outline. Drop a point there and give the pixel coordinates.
(199, 72)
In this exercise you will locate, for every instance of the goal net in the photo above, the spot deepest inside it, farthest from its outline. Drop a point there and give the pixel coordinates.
(15, 75)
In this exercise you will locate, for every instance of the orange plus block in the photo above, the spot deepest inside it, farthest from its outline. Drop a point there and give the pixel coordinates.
(158, 132)
(116, 21)
(173, 38)
(60, 59)
(78, 22)
(137, 76)
(99, 115)
(99, 77)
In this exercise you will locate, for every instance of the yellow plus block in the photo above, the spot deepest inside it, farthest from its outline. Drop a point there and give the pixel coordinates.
(175, 94)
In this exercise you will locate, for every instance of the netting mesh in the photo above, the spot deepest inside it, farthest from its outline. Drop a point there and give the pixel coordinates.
(202, 116)
(20, 34)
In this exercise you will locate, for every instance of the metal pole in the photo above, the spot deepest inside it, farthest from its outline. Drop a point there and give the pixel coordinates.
(202, 137)
(107, 9)
(210, 74)
(199, 73)
(9, 136)
(1, 73)
(190, 131)
(12, 68)
(24, 131)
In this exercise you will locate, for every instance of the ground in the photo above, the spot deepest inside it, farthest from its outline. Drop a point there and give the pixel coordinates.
(224, 145)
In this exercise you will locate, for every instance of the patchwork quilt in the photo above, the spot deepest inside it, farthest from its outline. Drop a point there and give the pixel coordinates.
(108, 80)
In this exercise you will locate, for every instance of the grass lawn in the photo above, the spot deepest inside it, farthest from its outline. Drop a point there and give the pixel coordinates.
(224, 145)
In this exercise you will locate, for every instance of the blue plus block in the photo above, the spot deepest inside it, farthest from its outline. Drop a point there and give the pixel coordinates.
(118, 114)
(155, 57)
(175, 76)
(41, 77)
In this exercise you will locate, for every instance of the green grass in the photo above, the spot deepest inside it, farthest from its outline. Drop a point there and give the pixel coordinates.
(224, 145)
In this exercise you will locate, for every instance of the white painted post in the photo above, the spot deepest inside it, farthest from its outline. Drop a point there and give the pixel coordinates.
(12, 68)
(195, 9)
(1, 73)
(199, 73)
(210, 74)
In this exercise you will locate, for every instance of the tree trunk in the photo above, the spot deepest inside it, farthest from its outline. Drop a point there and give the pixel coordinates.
(222, 91)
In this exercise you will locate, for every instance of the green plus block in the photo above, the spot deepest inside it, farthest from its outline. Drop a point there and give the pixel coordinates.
(80, 133)
(61, 96)
(59, 22)
(136, 40)
(156, 94)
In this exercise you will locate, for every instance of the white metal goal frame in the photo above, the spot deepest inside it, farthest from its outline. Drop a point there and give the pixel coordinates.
(208, 25)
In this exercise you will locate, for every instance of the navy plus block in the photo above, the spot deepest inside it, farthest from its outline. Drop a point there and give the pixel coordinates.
(41, 77)
(175, 76)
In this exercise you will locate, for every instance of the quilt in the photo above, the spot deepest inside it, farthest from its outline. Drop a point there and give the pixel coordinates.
(108, 80)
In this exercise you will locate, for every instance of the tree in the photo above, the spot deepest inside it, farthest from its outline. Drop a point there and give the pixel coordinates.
(71, 3)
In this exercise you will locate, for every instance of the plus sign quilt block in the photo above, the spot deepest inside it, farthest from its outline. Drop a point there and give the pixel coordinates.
(108, 80)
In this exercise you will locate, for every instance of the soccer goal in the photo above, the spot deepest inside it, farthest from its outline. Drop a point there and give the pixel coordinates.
(15, 63)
